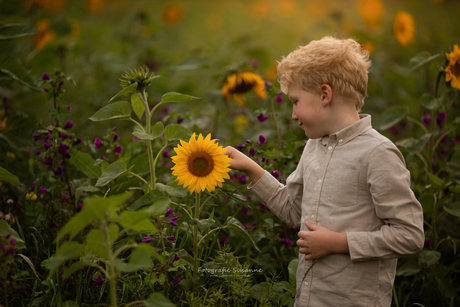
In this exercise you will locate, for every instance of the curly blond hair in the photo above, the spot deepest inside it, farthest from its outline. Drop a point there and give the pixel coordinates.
(341, 63)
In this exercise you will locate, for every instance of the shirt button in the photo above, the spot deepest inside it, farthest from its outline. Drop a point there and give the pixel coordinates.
(319, 181)
(312, 216)
(340, 141)
(330, 148)
(306, 283)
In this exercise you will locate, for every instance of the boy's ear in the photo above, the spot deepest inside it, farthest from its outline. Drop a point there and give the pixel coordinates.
(326, 94)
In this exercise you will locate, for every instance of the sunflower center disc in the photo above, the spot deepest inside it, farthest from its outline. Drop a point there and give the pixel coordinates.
(456, 70)
(200, 164)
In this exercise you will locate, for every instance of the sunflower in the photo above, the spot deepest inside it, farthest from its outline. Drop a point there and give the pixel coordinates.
(242, 82)
(453, 68)
(200, 164)
(404, 28)
(44, 35)
(371, 11)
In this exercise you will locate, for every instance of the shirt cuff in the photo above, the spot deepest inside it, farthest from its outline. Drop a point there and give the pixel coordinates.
(357, 246)
(265, 187)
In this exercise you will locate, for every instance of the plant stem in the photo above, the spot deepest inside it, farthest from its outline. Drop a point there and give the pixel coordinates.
(142, 179)
(149, 142)
(195, 234)
(111, 275)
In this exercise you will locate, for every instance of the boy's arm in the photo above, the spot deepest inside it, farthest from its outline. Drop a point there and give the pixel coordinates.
(243, 163)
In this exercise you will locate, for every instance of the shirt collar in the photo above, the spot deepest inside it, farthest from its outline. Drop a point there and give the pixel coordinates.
(350, 132)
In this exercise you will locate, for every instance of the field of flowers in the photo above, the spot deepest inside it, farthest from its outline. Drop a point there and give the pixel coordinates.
(114, 116)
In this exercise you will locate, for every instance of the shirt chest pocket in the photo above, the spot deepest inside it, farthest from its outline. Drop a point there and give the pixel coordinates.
(341, 187)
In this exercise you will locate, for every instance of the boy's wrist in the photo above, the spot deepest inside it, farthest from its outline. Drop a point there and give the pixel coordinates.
(340, 244)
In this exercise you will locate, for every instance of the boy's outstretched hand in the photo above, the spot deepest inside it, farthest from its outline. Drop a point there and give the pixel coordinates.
(320, 241)
(243, 163)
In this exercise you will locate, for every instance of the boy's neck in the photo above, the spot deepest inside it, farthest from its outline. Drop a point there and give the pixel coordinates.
(342, 116)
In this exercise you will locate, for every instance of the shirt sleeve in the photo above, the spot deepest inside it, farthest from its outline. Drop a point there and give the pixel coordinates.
(285, 201)
(395, 204)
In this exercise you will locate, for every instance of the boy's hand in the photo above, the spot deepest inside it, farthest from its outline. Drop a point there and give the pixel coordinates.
(243, 163)
(320, 242)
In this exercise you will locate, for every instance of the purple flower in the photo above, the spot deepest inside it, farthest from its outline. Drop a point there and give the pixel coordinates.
(171, 238)
(98, 281)
(32, 184)
(135, 138)
(223, 240)
(176, 280)
(287, 242)
(115, 137)
(428, 243)
(267, 84)
(275, 174)
(68, 124)
(279, 99)
(48, 161)
(38, 152)
(245, 211)
(118, 149)
(58, 171)
(79, 207)
(426, 120)
(243, 178)
(262, 139)
(168, 212)
(46, 145)
(60, 85)
(180, 120)
(173, 220)
(69, 108)
(37, 137)
(63, 149)
(147, 239)
(77, 141)
(53, 225)
(263, 207)
(176, 257)
(114, 128)
(98, 143)
(42, 190)
(46, 77)
(262, 117)
(252, 152)
(166, 154)
(441, 118)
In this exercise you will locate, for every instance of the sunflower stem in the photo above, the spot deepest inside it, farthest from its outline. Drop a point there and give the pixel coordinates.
(149, 142)
(195, 234)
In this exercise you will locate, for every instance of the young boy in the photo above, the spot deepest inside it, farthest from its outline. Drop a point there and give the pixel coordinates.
(350, 193)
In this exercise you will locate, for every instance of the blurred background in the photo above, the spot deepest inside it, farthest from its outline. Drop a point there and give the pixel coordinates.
(193, 44)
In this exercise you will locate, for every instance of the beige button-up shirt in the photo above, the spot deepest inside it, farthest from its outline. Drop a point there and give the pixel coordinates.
(354, 181)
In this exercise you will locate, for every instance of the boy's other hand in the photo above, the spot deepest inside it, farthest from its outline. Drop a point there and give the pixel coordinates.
(243, 163)
(320, 241)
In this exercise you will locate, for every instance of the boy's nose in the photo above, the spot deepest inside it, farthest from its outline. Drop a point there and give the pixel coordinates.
(294, 116)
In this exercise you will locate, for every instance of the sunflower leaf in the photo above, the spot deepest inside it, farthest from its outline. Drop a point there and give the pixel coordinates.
(235, 225)
(114, 170)
(116, 110)
(176, 97)
(127, 90)
(421, 59)
(177, 132)
(139, 259)
(12, 67)
(391, 117)
(138, 105)
(15, 30)
(7, 176)
(172, 189)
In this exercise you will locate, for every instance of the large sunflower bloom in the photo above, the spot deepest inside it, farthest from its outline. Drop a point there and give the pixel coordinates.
(243, 82)
(404, 28)
(453, 68)
(200, 164)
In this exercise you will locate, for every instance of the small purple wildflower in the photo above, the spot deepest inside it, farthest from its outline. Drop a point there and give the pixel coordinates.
(176, 257)
(169, 212)
(173, 220)
(245, 211)
(69, 108)
(135, 138)
(180, 120)
(63, 149)
(267, 84)
(53, 225)
(114, 128)
(46, 145)
(118, 149)
(426, 120)
(79, 207)
(252, 152)
(171, 238)
(38, 152)
(275, 174)
(176, 280)
(68, 124)
(115, 137)
(60, 85)
(58, 171)
(48, 161)
(263, 207)
(46, 77)
(428, 243)
(98, 281)
(42, 189)
(166, 154)
(32, 184)
(441, 118)
(77, 142)
(262, 117)
(243, 178)
(147, 239)
(98, 143)
(37, 137)
(223, 240)
(262, 139)
(240, 147)
(287, 242)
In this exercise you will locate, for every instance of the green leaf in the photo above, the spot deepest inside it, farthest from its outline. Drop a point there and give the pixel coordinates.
(76, 224)
(292, 268)
(156, 132)
(76, 266)
(429, 102)
(453, 209)
(289, 136)
(84, 163)
(29, 262)
(159, 206)
(202, 224)
(408, 269)
(435, 180)
(140, 164)
(427, 258)
(157, 300)
(177, 132)
(10, 65)
(427, 201)
(68, 250)
(7, 176)
(98, 206)
(391, 117)
(172, 189)
(136, 220)
(6, 229)
(116, 110)
(113, 171)
(414, 145)
(176, 97)
(421, 59)
(15, 30)
(86, 188)
(138, 105)
(235, 225)
(127, 90)
(151, 250)
(95, 242)
(138, 260)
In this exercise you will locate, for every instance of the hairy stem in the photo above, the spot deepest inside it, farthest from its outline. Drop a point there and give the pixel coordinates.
(149, 142)
(195, 234)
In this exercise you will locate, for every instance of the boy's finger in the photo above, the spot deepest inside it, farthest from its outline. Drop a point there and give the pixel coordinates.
(310, 225)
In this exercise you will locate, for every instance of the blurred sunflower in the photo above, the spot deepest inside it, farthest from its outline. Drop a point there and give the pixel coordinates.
(371, 11)
(367, 45)
(260, 9)
(94, 6)
(2, 120)
(453, 68)
(44, 35)
(173, 13)
(240, 83)
(404, 28)
(200, 164)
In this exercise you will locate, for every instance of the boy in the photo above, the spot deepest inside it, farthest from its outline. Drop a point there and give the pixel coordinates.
(350, 193)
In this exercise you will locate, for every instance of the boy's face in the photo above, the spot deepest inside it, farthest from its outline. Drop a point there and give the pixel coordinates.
(308, 110)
